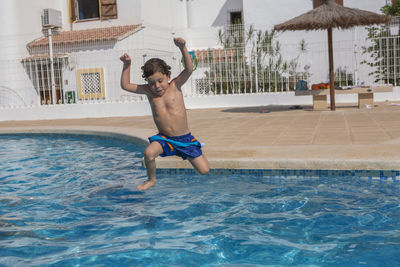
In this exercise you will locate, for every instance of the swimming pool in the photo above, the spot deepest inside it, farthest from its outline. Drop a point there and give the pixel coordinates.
(68, 200)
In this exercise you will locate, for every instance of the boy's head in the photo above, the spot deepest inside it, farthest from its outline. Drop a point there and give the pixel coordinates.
(155, 65)
(157, 74)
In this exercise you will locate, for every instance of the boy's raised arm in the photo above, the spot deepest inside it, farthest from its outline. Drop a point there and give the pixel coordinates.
(125, 77)
(187, 59)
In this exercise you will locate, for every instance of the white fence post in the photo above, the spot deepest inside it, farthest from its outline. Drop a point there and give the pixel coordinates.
(53, 84)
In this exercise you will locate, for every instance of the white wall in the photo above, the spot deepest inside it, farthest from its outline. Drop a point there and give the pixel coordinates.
(203, 22)
(370, 5)
(129, 12)
(22, 18)
(21, 23)
(191, 20)
(267, 13)
(166, 13)
(98, 110)
(271, 12)
(261, 14)
(206, 13)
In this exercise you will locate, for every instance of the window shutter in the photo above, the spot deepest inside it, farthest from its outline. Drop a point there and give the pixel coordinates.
(73, 10)
(108, 9)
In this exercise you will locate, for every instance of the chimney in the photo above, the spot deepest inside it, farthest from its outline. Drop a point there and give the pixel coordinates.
(317, 3)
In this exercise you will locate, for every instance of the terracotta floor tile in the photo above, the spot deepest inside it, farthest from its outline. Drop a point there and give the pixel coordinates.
(348, 135)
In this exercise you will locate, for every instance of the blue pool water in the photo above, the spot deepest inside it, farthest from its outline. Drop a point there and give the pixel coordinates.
(71, 200)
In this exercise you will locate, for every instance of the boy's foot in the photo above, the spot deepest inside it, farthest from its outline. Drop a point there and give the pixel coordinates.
(146, 185)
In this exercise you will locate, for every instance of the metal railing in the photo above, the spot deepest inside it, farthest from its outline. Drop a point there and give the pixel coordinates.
(236, 71)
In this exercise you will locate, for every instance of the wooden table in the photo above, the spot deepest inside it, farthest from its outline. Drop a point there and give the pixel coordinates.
(365, 95)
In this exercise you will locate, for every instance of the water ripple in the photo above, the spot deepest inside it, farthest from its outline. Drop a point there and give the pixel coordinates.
(72, 201)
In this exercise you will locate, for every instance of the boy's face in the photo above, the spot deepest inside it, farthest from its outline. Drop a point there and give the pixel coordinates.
(158, 83)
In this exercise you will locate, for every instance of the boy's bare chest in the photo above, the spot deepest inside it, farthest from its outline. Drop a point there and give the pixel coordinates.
(169, 102)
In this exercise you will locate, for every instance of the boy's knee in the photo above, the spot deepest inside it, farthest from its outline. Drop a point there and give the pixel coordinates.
(149, 154)
(204, 171)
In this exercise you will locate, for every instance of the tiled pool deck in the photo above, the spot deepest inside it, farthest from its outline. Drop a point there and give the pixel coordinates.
(284, 138)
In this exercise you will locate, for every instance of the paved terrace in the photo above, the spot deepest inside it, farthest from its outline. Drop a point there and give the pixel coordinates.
(283, 138)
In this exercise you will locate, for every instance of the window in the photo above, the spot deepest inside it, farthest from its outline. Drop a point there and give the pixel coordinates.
(93, 9)
(39, 70)
(88, 9)
(236, 18)
(44, 82)
(91, 83)
(234, 35)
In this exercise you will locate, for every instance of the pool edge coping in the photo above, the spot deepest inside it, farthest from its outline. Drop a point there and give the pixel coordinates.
(237, 164)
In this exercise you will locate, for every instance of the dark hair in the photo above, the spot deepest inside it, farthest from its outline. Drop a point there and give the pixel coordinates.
(154, 65)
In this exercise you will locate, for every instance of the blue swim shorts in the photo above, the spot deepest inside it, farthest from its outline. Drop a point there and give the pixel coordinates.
(184, 146)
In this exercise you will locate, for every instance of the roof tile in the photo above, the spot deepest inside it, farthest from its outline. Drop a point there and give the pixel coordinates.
(81, 36)
(218, 55)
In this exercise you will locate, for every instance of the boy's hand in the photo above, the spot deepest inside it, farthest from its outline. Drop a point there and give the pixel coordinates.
(126, 59)
(179, 42)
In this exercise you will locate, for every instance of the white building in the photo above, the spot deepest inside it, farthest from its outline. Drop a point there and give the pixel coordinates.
(93, 34)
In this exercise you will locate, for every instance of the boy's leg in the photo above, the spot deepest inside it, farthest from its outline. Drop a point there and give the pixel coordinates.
(150, 155)
(200, 164)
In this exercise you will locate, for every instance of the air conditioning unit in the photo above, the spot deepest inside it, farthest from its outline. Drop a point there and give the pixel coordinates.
(51, 18)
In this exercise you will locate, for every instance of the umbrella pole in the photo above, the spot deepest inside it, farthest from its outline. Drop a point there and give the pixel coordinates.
(331, 70)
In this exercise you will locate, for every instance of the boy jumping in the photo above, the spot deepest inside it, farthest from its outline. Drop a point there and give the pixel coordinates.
(169, 113)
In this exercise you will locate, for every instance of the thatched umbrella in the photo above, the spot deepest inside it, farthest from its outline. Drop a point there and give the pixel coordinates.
(331, 15)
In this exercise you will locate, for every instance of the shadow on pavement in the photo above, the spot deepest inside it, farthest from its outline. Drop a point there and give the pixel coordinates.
(267, 109)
